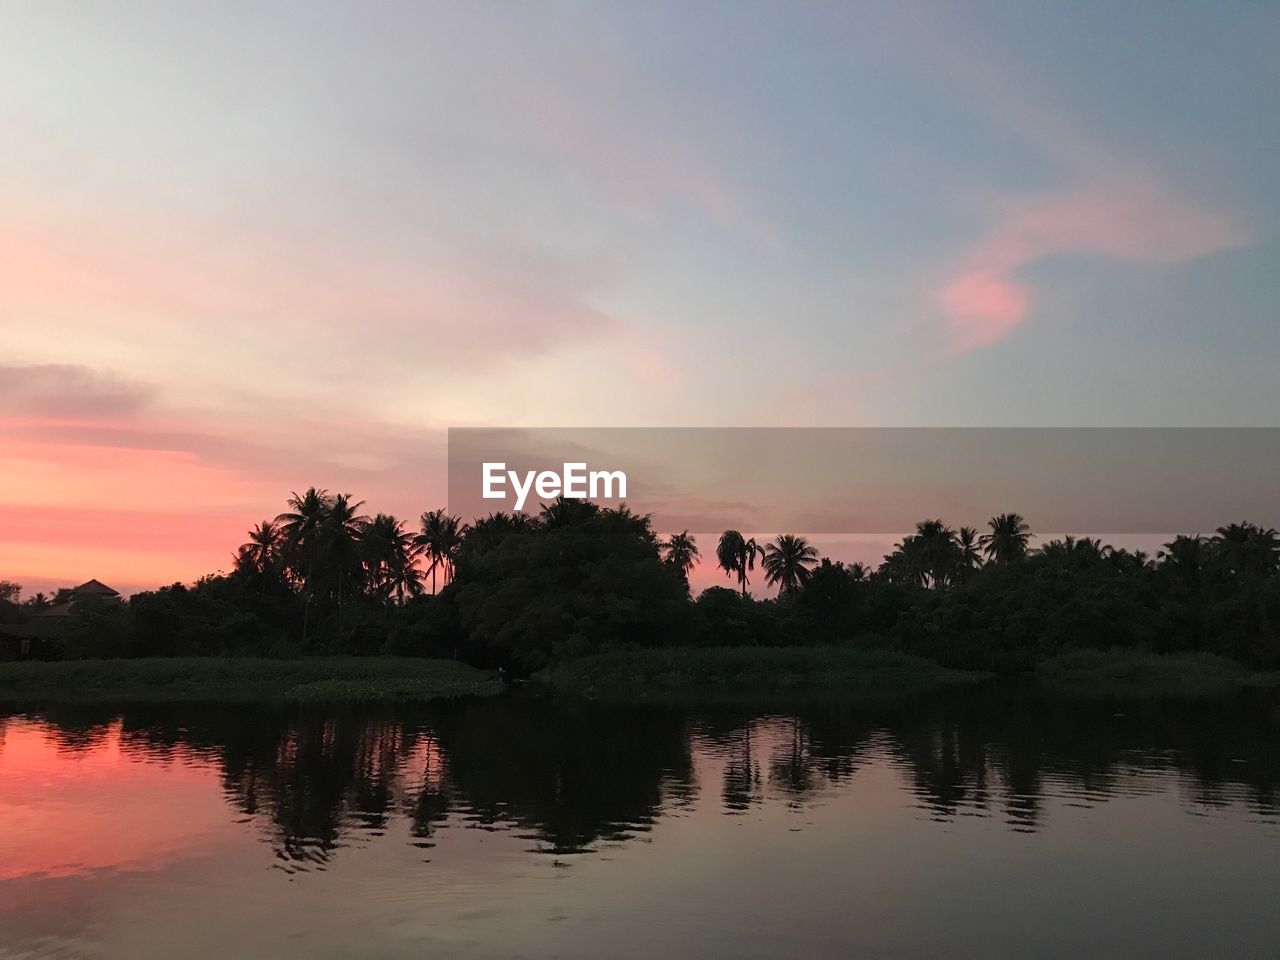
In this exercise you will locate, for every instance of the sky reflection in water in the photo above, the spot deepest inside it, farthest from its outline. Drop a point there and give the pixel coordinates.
(970, 823)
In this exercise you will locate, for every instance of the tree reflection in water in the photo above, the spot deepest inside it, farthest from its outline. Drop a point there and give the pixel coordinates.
(570, 775)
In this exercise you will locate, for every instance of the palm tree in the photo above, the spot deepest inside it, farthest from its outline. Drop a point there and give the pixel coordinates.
(1008, 538)
(341, 534)
(639, 525)
(263, 555)
(1184, 558)
(788, 562)
(1128, 561)
(566, 511)
(390, 556)
(681, 551)
(301, 526)
(902, 565)
(264, 551)
(969, 557)
(1245, 548)
(440, 539)
(736, 555)
(936, 552)
(488, 532)
(1083, 552)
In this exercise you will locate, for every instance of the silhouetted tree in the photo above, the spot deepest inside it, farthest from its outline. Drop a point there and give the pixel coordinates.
(968, 557)
(681, 551)
(301, 527)
(261, 559)
(1184, 559)
(489, 532)
(580, 580)
(341, 532)
(737, 555)
(1078, 552)
(788, 561)
(1008, 538)
(390, 556)
(1247, 549)
(440, 539)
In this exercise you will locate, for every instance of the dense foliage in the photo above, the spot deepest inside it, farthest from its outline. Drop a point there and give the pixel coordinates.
(522, 592)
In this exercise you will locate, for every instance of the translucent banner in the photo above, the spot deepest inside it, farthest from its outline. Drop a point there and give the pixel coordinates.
(879, 480)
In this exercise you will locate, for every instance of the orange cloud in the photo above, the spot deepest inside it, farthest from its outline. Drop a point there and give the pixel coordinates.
(45, 547)
(130, 515)
(84, 475)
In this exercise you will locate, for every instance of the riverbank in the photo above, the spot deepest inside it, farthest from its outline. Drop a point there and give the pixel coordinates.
(242, 680)
(687, 674)
(1123, 673)
(718, 672)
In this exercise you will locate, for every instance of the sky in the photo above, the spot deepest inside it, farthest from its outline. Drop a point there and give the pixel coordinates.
(250, 247)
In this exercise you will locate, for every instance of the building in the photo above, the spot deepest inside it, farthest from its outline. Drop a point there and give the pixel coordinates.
(26, 634)
(90, 590)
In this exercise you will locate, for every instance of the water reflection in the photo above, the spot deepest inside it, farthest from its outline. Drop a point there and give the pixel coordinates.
(571, 776)
(823, 829)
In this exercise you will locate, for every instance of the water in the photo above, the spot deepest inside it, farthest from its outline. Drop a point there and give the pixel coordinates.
(979, 823)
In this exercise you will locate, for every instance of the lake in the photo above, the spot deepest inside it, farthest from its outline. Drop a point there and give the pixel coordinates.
(988, 822)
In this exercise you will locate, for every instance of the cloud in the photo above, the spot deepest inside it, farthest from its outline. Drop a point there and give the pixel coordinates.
(983, 307)
(160, 284)
(68, 390)
(1106, 194)
(155, 498)
(1142, 222)
(588, 108)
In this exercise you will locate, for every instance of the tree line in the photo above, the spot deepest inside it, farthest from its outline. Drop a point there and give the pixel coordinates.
(523, 590)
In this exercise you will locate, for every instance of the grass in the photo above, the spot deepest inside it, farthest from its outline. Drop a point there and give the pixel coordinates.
(712, 673)
(1118, 673)
(239, 680)
(684, 673)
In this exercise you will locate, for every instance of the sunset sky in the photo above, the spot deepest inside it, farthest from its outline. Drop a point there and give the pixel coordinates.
(249, 247)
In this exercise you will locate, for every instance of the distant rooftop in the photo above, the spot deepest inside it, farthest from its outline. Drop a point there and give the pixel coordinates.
(92, 588)
(95, 588)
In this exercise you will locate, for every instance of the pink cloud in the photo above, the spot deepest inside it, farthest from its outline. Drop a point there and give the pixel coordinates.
(1111, 199)
(133, 516)
(276, 291)
(149, 497)
(1141, 221)
(983, 308)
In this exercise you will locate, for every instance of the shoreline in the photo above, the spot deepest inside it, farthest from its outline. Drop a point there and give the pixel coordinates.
(718, 673)
(687, 674)
(335, 679)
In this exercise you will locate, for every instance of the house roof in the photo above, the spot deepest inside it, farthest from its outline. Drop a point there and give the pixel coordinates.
(96, 588)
